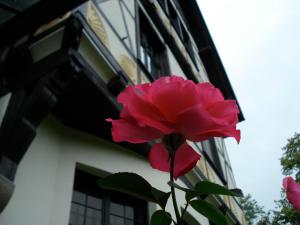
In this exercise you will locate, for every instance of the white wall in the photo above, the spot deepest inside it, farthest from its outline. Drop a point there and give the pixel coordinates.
(44, 179)
(35, 179)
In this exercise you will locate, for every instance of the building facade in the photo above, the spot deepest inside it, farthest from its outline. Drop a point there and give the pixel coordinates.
(61, 68)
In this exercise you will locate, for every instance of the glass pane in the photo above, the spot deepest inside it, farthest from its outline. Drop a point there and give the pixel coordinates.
(94, 202)
(143, 55)
(77, 214)
(78, 209)
(129, 212)
(149, 63)
(117, 209)
(115, 220)
(93, 217)
(78, 197)
(129, 222)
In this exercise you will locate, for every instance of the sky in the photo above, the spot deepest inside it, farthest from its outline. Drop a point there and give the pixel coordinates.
(259, 44)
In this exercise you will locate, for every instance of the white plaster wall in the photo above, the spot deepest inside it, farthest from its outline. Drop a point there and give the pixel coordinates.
(44, 179)
(113, 11)
(35, 180)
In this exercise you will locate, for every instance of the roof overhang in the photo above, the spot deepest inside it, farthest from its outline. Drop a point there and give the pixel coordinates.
(207, 50)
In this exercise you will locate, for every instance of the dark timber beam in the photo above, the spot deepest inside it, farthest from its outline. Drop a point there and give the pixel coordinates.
(35, 16)
(207, 50)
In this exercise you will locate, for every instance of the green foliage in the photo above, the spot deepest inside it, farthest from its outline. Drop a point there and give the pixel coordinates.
(134, 185)
(160, 217)
(290, 160)
(266, 219)
(205, 188)
(209, 211)
(253, 212)
(202, 190)
(284, 213)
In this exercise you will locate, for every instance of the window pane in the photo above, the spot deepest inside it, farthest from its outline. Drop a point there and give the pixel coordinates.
(117, 209)
(93, 217)
(115, 220)
(93, 206)
(143, 55)
(94, 202)
(77, 214)
(129, 222)
(149, 63)
(129, 212)
(155, 58)
(78, 197)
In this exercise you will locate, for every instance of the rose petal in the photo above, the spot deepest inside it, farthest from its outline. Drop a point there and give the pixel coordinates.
(185, 159)
(159, 157)
(285, 182)
(174, 98)
(143, 111)
(225, 112)
(144, 89)
(194, 120)
(166, 80)
(130, 131)
(208, 94)
(292, 189)
(217, 133)
(196, 124)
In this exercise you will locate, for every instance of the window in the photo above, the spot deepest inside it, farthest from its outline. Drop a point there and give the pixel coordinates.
(188, 45)
(152, 50)
(172, 10)
(175, 19)
(94, 206)
(213, 157)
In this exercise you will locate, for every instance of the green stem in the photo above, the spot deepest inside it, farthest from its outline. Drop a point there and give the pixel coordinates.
(184, 210)
(172, 158)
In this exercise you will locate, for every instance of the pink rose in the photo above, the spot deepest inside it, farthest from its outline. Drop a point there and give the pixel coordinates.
(292, 189)
(174, 105)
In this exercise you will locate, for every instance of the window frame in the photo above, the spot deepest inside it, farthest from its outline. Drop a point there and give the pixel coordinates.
(171, 10)
(212, 157)
(85, 183)
(152, 47)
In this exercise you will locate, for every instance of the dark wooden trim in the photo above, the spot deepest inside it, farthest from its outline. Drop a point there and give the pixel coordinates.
(9, 8)
(125, 25)
(35, 16)
(169, 40)
(207, 50)
(137, 39)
